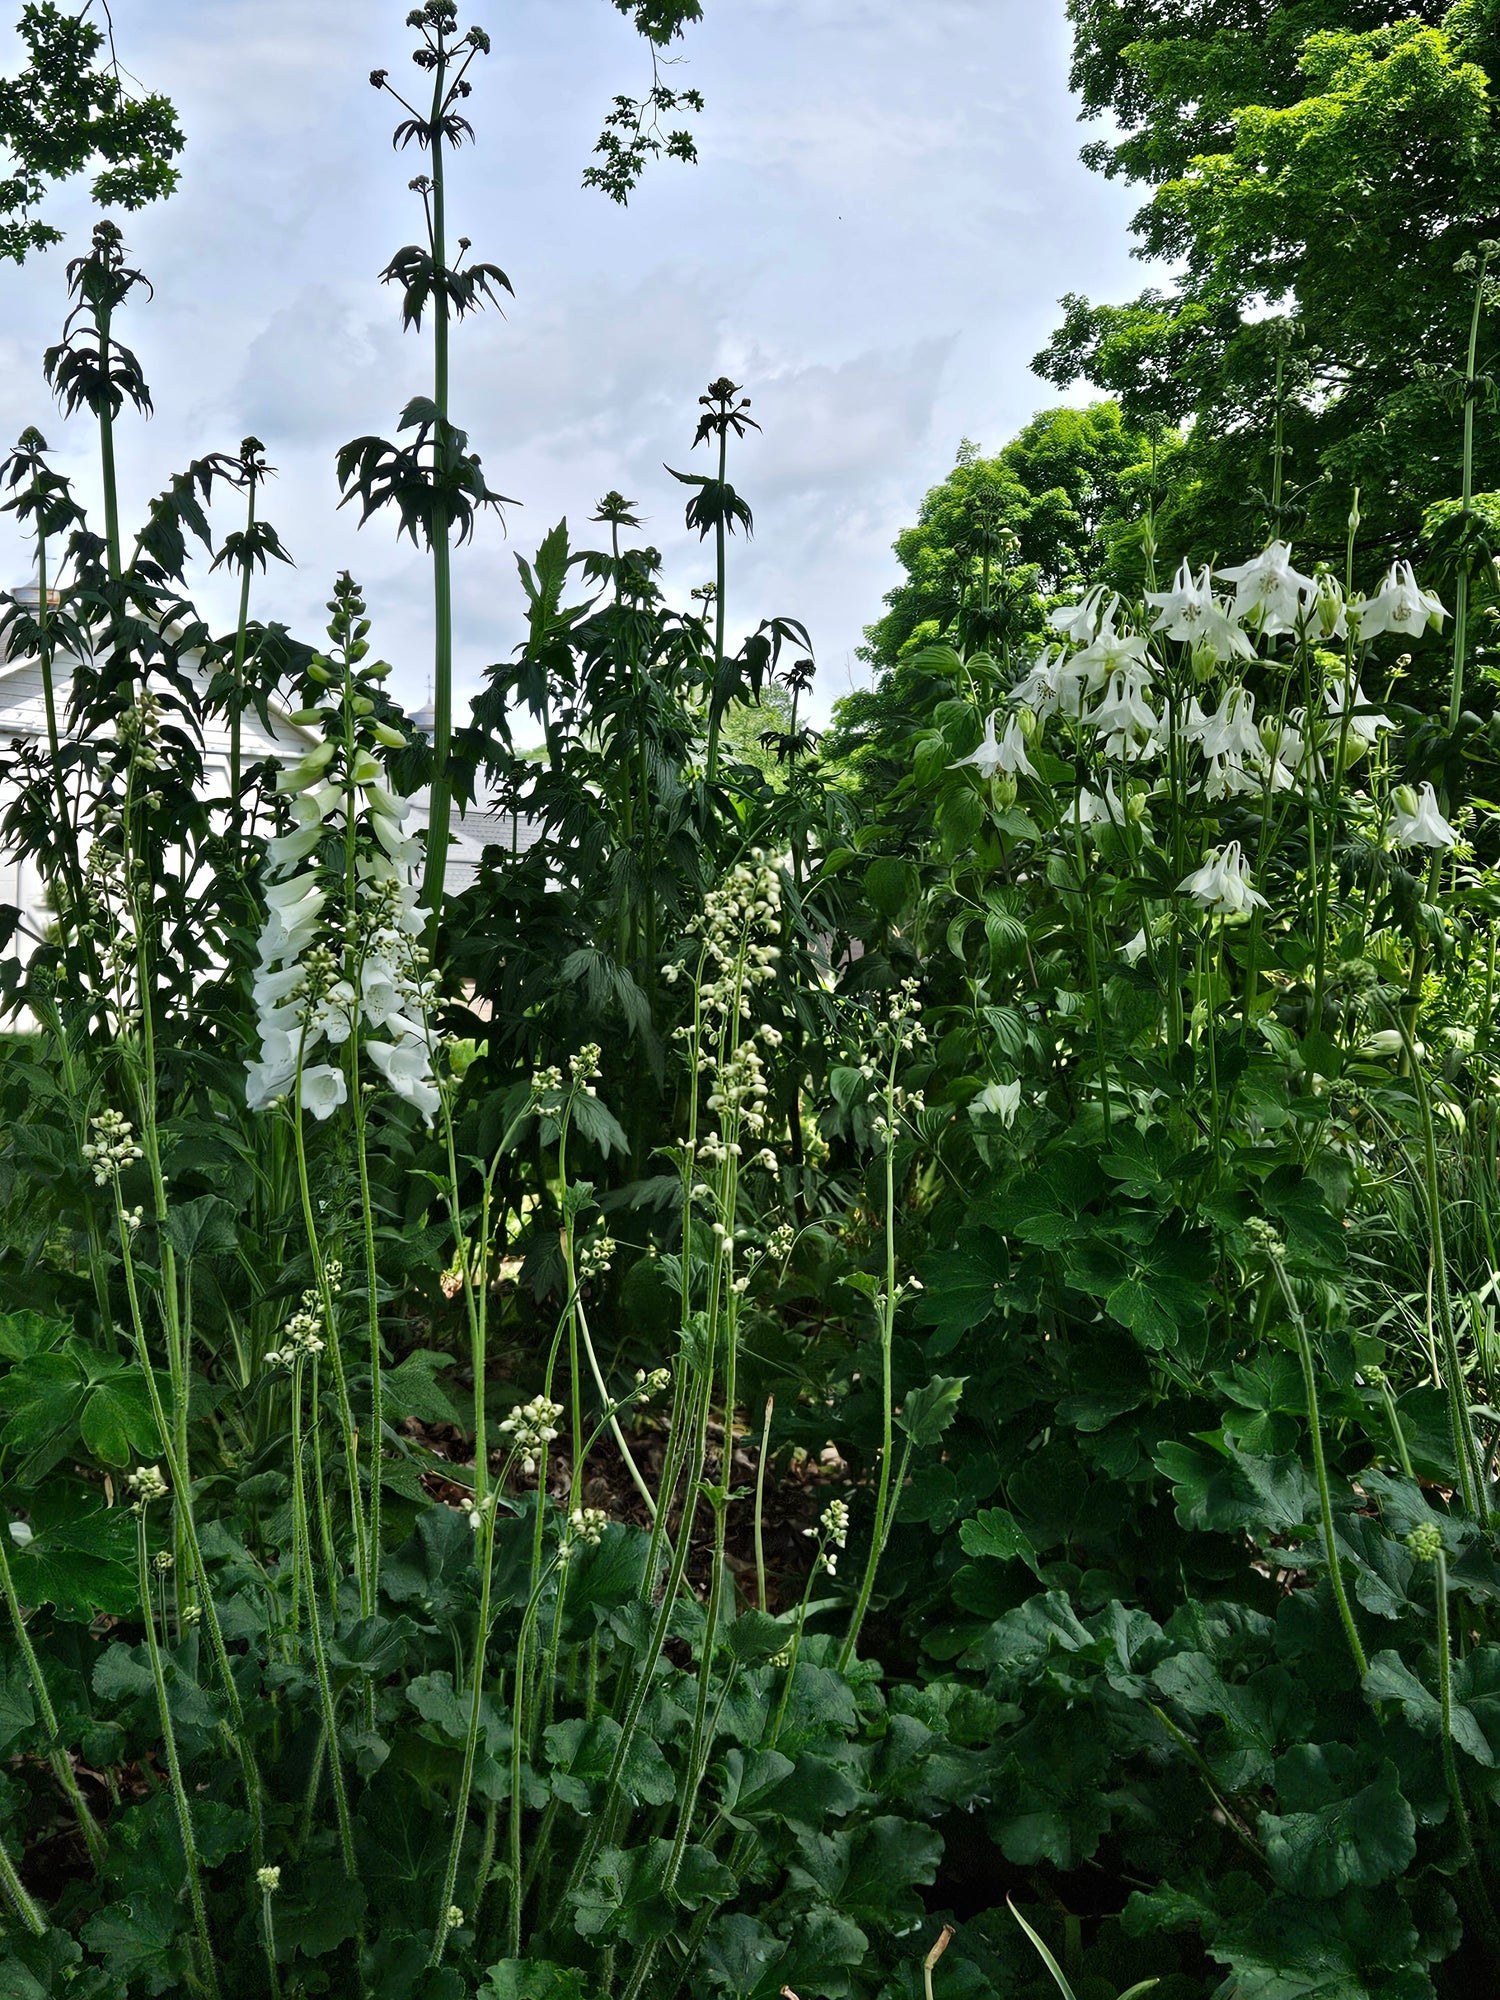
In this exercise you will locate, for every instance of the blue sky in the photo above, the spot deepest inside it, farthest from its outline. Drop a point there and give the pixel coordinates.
(888, 206)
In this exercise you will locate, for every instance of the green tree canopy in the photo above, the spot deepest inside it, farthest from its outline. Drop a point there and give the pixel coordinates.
(1322, 178)
(1014, 528)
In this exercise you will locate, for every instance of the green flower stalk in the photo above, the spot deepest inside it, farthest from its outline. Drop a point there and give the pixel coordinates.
(147, 1484)
(1275, 1256)
(435, 483)
(1471, 392)
(19, 1896)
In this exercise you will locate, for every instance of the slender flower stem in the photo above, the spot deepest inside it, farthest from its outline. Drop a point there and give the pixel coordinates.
(471, 1738)
(335, 1356)
(1461, 589)
(57, 1757)
(1470, 1472)
(760, 1506)
(879, 1527)
(19, 1896)
(1320, 1466)
(268, 1940)
(303, 1536)
(174, 1765)
(237, 697)
(441, 531)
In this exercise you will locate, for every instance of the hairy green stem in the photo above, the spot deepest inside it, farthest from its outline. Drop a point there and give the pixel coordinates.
(174, 1765)
(1320, 1466)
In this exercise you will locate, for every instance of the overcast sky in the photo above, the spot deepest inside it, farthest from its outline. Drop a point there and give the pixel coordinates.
(888, 205)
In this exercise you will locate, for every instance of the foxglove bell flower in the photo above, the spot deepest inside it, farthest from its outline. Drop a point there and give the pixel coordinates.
(341, 949)
(1417, 822)
(1269, 591)
(1400, 606)
(1222, 885)
(405, 1068)
(322, 1089)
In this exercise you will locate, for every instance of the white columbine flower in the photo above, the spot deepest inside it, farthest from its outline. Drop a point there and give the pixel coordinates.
(1008, 755)
(1400, 606)
(1190, 613)
(1222, 885)
(1080, 622)
(1365, 723)
(1090, 808)
(997, 1100)
(1230, 731)
(1037, 689)
(1416, 821)
(1269, 590)
(1124, 714)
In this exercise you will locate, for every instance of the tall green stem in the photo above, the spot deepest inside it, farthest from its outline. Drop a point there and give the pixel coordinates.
(1461, 591)
(237, 697)
(721, 531)
(442, 558)
(174, 1765)
(301, 1529)
(57, 1757)
(19, 1896)
(879, 1526)
(1320, 1466)
(1470, 1472)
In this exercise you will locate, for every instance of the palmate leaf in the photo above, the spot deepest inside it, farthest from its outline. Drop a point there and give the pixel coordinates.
(58, 1398)
(741, 1957)
(141, 1938)
(962, 1286)
(80, 1559)
(532, 1979)
(869, 1873)
(1349, 1834)
(625, 1894)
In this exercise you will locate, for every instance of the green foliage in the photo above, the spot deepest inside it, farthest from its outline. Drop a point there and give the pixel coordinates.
(68, 112)
(1334, 163)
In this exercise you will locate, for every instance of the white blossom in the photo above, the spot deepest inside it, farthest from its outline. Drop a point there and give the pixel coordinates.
(1364, 723)
(321, 1089)
(1268, 590)
(1080, 622)
(997, 1100)
(1190, 613)
(1222, 884)
(1400, 606)
(1417, 822)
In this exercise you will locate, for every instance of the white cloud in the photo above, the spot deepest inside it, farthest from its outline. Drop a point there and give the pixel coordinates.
(888, 205)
